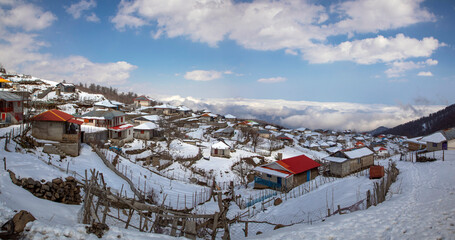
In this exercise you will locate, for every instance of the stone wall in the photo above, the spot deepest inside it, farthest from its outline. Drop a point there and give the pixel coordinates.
(57, 190)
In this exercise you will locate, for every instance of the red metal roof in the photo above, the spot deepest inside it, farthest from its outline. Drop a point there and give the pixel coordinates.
(73, 120)
(298, 164)
(121, 127)
(53, 115)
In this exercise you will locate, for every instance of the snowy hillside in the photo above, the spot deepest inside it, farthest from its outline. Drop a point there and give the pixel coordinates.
(420, 205)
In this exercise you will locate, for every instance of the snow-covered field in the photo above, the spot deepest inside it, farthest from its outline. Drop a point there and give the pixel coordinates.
(420, 204)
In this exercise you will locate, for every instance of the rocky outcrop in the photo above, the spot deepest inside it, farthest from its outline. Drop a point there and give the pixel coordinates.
(66, 191)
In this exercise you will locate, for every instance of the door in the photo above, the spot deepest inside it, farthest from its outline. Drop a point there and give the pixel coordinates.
(3, 116)
(278, 181)
(444, 146)
(308, 175)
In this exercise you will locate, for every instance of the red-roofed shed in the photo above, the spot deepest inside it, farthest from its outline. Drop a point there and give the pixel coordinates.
(287, 173)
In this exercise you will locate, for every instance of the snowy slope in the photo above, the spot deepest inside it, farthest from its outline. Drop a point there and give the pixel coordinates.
(420, 205)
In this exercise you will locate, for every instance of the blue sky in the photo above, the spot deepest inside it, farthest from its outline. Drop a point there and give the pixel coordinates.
(359, 51)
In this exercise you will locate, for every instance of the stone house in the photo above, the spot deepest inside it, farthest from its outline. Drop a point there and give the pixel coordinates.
(146, 131)
(59, 127)
(287, 173)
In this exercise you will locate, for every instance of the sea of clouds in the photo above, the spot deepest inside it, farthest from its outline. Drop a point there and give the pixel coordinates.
(313, 115)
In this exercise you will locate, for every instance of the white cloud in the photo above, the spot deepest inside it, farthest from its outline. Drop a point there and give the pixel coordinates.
(425, 74)
(202, 75)
(398, 68)
(364, 16)
(23, 52)
(291, 52)
(272, 80)
(293, 26)
(314, 115)
(92, 18)
(28, 17)
(76, 9)
(373, 50)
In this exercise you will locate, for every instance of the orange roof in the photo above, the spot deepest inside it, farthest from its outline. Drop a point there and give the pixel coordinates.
(2, 80)
(53, 115)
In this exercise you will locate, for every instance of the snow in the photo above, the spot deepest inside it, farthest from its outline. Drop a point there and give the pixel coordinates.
(335, 159)
(434, 138)
(220, 145)
(271, 172)
(146, 126)
(420, 205)
(358, 153)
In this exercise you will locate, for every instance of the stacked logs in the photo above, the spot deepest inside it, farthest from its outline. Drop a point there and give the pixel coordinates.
(57, 190)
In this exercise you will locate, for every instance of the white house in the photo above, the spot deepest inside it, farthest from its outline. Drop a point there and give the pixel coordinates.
(220, 149)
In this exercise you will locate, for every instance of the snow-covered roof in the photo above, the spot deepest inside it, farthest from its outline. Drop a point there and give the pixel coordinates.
(116, 103)
(220, 145)
(146, 126)
(436, 137)
(302, 129)
(105, 103)
(151, 118)
(183, 109)
(229, 116)
(358, 153)
(165, 106)
(333, 149)
(335, 159)
(9, 97)
(271, 172)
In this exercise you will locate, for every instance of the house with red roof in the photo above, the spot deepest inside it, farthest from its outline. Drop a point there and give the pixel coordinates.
(61, 130)
(287, 173)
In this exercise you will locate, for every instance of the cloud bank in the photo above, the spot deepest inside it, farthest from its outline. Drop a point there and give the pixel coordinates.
(314, 115)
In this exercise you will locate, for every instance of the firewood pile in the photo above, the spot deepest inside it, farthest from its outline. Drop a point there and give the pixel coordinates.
(66, 191)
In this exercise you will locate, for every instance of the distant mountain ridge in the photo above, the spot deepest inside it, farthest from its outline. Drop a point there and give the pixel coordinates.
(440, 120)
(379, 130)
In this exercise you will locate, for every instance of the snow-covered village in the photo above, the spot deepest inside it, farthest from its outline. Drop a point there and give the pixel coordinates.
(77, 165)
(227, 119)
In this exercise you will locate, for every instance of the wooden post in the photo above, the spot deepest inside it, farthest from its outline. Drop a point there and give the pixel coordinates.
(4, 163)
(339, 210)
(246, 229)
(368, 199)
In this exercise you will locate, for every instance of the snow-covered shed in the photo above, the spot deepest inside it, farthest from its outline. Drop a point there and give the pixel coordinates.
(435, 142)
(220, 149)
(146, 131)
(347, 161)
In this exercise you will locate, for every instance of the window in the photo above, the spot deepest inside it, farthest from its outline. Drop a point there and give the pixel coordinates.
(435, 145)
(359, 161)
(269, 176)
